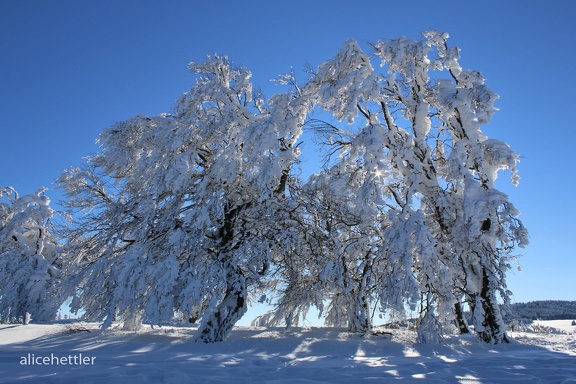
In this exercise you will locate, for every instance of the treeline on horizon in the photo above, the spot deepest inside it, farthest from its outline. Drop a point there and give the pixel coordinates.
(545, 310)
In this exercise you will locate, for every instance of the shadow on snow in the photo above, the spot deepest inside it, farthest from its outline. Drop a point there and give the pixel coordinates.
(250, 355)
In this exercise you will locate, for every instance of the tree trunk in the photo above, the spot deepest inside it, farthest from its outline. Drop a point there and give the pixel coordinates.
(461, 322)
(492, 329)
(133, 320)
(234, 304)
(26, 318)
(229, 310)
(359, 319)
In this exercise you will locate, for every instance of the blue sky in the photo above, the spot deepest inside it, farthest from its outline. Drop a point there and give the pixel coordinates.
(71, 68)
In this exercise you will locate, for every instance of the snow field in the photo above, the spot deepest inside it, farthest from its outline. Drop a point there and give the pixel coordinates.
(277, 355)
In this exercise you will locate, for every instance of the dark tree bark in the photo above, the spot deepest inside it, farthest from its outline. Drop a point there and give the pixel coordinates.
(234, 303)
(461, 322)
(231, 309)
(492, 329)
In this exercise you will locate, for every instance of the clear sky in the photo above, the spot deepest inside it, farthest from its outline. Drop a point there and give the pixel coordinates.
(71, 68)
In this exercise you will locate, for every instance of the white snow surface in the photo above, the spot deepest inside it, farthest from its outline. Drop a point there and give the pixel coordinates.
(277, 355)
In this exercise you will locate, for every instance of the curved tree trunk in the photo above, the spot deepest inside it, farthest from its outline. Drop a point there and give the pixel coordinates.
(233, 306)
(231, 309)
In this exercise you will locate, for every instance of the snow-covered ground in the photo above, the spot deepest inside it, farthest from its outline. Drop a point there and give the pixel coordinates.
(82, 353)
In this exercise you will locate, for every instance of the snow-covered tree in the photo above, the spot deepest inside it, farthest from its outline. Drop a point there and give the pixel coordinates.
(195, 210)
(328, 256)
(173, 213)
(337, 265)
(29, 258)
(450, 231)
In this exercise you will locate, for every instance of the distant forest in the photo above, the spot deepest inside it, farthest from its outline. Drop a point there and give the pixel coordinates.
(545, 310)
